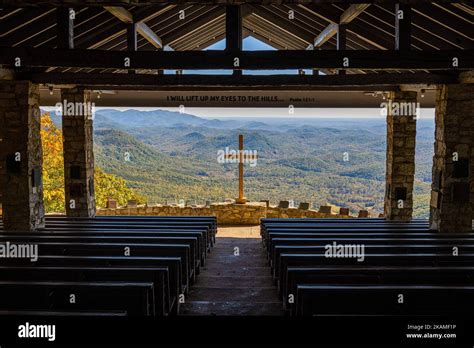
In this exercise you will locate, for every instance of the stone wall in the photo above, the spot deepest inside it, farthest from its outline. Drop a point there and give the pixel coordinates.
(453, 181)
(226, 213)
(21, 156)
(275, 212)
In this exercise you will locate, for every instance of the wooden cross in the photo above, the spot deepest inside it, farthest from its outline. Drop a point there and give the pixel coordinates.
(242, 157)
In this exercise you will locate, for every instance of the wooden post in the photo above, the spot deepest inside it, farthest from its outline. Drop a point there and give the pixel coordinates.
(233, 26)
(341, 42)
(131, 40)
(65, 28)
(132, 37)
(402, 27)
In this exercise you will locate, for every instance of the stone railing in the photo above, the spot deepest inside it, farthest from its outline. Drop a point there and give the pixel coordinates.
(227, 213)
(276, 212)
(230, 213)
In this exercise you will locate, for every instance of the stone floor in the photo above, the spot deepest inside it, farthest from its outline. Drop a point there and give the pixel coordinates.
(232, 284)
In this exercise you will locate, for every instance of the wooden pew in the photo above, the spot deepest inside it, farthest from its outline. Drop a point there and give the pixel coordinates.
(135, 298)
(129, 235)
(342, 226)
(396, 254)
(113, 249)
(364, 240)
(363, 235)
(172, 263)
(352, 229)
(145, 224)
(273, 222)
(159, 276)
(141, 227)
(210, 221)
(200, 235)
(26, 313)
(353, 275)
(402, 260)
(265, 221)
(97, 246)
(373, 249)
(192, 242)
(383, 299)
(116, 249)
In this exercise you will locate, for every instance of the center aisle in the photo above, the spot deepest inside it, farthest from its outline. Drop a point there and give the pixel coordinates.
(236, 279)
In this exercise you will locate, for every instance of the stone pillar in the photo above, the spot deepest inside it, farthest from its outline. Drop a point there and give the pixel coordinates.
(78, 152)
(21, 161)
(401, 110)
(452, 194)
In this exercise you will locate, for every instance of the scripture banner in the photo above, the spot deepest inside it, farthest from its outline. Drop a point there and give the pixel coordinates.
(251, 98)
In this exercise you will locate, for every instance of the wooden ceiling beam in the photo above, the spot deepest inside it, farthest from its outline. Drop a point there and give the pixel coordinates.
(254, 60)
(77, 3)
(301, 82)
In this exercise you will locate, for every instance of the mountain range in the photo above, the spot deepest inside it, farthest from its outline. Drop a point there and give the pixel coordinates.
(168, 156)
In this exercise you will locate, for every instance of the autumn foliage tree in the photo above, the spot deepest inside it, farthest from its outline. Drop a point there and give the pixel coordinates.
(53, 165)
(106, 185)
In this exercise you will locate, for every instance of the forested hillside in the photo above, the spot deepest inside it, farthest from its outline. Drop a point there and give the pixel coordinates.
(106, 185)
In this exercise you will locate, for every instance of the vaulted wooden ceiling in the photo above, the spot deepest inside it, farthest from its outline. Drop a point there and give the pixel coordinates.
(288, 26)
(435, 26)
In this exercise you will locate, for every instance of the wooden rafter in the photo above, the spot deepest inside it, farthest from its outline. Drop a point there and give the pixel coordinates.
(347, 16)
(193, 23)
(143, 29)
